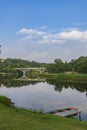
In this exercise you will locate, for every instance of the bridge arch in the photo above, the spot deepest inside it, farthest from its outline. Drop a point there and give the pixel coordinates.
(25, 70)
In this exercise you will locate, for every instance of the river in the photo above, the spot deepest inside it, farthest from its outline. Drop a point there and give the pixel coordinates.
(46, 96)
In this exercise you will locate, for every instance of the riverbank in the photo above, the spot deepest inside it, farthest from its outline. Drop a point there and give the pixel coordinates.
(67, 77)
(10, 119)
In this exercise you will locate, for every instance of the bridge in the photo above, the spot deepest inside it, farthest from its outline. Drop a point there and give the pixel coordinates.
(25, 70)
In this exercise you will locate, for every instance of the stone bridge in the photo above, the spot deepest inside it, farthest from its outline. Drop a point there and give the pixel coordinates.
(24, 70)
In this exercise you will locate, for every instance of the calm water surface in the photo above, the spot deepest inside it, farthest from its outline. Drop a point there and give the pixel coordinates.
(47, 96)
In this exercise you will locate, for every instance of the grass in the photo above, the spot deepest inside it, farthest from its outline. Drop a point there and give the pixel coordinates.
(26, 120)
(68, 77)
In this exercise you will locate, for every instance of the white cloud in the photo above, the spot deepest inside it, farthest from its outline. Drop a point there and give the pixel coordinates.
(42, 37)
(45, 45)
(38, 36)
(31, 32)
(74, 35)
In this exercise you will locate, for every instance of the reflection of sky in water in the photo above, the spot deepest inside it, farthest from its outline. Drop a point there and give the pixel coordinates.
(42, 96)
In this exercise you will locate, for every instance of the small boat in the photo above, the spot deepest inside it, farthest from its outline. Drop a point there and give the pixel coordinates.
(65, 112)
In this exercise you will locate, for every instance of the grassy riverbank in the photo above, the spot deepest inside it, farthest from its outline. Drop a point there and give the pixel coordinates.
(26, 120)
(67, 77)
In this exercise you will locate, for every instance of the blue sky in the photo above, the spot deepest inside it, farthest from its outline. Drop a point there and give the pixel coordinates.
(43, 30)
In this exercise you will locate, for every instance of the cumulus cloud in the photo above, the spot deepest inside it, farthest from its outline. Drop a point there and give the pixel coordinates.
(30, 32)
(42, 44)
(45, 45)
(42, 37)
(74, 35)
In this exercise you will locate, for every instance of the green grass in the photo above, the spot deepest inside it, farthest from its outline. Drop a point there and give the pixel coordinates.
(26, 120)
(65, 77)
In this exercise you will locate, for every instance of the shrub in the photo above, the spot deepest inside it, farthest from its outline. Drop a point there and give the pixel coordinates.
(6, 101)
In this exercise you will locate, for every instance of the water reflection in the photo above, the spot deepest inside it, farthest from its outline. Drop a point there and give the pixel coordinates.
(16, 83)
(45, 96)
(86, 94)
(58, 86)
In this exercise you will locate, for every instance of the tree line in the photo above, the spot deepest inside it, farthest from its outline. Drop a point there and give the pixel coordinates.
(75, 65)
(58, 66)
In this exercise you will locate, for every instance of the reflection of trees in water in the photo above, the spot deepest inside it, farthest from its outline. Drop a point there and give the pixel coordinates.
(86, 94)
(58, 86)
(16, 83)
(82, 87)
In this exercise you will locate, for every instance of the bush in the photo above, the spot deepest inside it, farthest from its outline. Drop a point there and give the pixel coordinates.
(6, 101)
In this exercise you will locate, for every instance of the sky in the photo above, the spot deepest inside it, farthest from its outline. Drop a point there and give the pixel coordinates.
(43, 30)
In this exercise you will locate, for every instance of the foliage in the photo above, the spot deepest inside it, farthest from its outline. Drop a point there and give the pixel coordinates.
(7, 66)
(32, 74)
(56, 67)
(6, 101)
(77, 65)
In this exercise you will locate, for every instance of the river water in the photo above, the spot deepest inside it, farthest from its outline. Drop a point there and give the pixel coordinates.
(46, 96)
